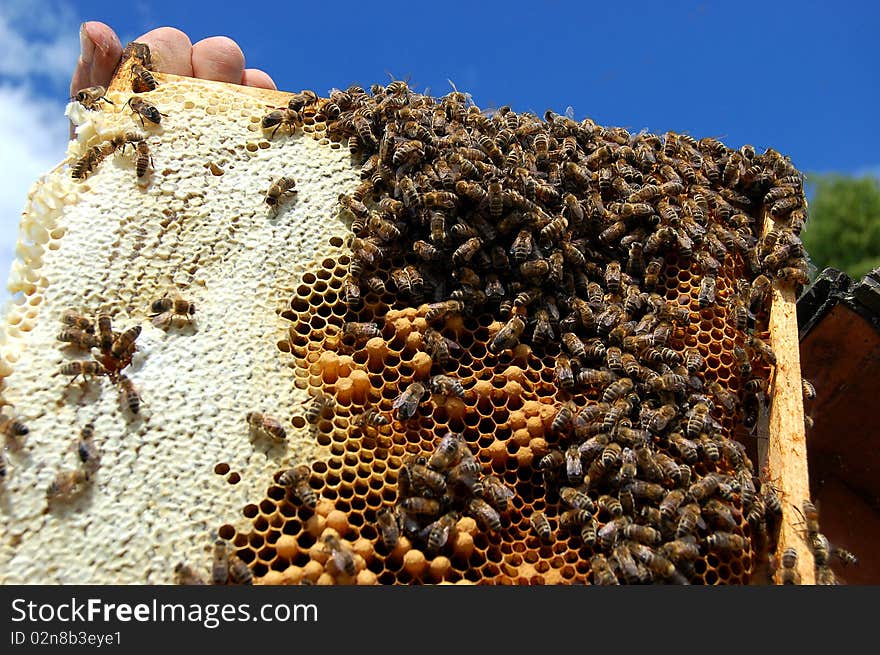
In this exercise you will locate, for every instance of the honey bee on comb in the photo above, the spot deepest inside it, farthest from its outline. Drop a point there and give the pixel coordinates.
(165, 309)
(144, 110)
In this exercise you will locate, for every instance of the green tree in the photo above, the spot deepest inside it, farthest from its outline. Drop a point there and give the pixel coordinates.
(843, 228)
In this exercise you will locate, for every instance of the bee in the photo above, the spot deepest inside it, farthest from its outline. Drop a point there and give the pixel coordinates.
(698, 419)
(573, 466)
(704, 488)
(297, 480)
(280, 187)
(408, 153)
(602, 572)
(497, 493)
(280, 118)
(421, 506)
(130, 395)
(361, 331)
(609, 504)
(318, 405)
(508, 336)
(652, 273)
(220, 563)
(186, 575)
(486, 515)
(689, 519)
(340, 555)
(770, 498)
(78, 338)
(541, 526)
(67, 484)
(789, 573)
(142, 79)
(352, 292)
(466, 251)
(793, 274)
(563, 372)
(577, 499)
(437, 228)
(670, 503)
(426, 251)
(87, 163)
(439, 347)
(809, 391)
(763, 349)
(407, 403)
(725, 541)
(617, 389)
(721, 514)
(267, 425)
(554, 230)
(448, 452)
(12, 427)
(681, 550)
(389, 531)
(372, 418)
(106, 335)
(166, 308)
(143, 109)
(443, 309)
(612, 277)
(657, 420)
(445, 200)
(439, 532)
(91, 97)
(724, 397)
(642, 534)
(239, 572)
(124, 345)
(686, 448)
(562, 419)
(447, 386)
(75, 320)
(298, 101)
(707, 291)
(844, 556)
(84, 368)
(144, 160)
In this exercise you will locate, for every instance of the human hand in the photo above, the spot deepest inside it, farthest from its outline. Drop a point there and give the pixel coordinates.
(216, 58)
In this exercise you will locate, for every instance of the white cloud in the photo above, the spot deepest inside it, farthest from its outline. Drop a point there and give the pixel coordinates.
(42, 41)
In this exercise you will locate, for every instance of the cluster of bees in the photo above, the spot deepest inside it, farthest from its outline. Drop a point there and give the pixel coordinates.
(226, 568)
(434, 491)
(823, 552)
(93, 97)
(567, 231)
(115, 352)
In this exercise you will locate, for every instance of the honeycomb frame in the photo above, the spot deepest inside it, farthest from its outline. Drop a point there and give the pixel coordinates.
(505, 416)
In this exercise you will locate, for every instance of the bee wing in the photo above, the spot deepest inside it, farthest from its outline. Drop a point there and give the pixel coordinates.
(161, 320)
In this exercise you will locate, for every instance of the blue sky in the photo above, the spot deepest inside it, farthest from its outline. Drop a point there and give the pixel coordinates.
(801, 77)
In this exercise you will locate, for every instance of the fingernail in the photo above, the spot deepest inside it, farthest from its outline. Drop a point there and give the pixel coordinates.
(86, 46)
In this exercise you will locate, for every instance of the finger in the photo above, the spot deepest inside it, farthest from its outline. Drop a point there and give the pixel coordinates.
(170, 50)
(257, 78)
(100, 53)
(218, 58)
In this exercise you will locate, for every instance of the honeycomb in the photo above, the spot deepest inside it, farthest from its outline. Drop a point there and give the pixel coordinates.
(503, 349)
(360, 351)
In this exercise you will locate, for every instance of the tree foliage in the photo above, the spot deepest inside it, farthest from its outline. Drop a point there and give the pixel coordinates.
(843, 228)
